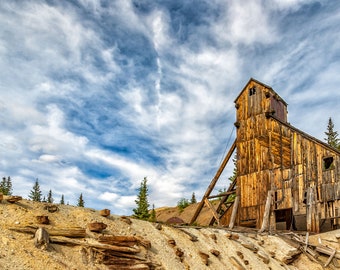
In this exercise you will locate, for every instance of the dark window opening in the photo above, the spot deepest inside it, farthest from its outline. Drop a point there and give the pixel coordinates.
(305, 197)
(328, 163)
(252, 91)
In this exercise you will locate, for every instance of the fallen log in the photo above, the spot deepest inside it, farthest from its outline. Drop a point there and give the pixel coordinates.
(121, 261)
(122, 240)
(73, 232)
(118, 240)
(141, 266)
(109, 253)
(70, 241)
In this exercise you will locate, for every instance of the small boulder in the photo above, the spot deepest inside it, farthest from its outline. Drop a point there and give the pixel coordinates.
(97, 226)
(104, 212)
(43, 220)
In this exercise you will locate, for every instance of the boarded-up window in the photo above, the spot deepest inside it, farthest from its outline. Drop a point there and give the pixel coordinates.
(278, 108)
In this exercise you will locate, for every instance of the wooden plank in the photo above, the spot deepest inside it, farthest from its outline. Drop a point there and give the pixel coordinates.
(233, 214)
(70, 241)
(221, 194)
(265, 221)
(208, 203)
(330, 258)
(75, 232)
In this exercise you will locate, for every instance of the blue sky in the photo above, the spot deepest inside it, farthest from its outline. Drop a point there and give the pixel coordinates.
(97, 95)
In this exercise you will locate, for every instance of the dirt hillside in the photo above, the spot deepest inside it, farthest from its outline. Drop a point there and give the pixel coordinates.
(128, 243)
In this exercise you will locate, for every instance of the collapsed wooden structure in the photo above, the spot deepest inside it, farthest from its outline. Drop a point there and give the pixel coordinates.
(286, 179)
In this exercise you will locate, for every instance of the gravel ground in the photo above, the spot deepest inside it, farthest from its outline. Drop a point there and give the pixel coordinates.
(171, 248)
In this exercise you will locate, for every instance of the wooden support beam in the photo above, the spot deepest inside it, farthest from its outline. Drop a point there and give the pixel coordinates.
(265, 221)
(231, 190)
(213, 182)
(222, 194)
(209, 204)
(330, 258)
(233, 214)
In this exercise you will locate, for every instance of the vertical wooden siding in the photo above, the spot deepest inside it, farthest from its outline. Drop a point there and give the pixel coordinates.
(274, 155)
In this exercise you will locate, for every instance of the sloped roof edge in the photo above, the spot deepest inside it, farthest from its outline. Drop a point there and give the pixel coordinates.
(263, 84)
(304, 134)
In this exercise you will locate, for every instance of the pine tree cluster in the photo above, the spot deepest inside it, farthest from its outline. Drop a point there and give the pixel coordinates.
(6, 186)
(36, 195)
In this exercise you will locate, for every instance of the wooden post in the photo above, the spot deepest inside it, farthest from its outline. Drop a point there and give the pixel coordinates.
(234, 212)
(209, 204)
(309, 208)
(265, 221)
(213, 182)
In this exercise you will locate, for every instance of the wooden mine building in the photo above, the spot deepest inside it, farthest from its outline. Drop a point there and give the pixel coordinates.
(286, 179)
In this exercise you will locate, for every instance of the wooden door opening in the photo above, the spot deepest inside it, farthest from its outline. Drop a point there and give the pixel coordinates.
(284, 219)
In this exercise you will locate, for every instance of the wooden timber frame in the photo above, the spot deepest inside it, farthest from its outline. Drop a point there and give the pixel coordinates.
(224, 196)
(286, 179)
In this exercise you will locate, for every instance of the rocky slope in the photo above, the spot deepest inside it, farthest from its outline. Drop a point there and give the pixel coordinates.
(135, 244)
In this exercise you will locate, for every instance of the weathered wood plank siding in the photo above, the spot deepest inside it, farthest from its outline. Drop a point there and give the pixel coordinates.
(273, 155)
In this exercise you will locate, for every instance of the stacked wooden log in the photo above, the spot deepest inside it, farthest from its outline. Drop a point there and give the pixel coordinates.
(124, 259)
(116, 252)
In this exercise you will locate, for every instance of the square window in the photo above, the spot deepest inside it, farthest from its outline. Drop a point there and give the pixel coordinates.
(252, 91)
(328, 163)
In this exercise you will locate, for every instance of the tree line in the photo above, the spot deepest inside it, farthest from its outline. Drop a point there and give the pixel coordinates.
(36, 193)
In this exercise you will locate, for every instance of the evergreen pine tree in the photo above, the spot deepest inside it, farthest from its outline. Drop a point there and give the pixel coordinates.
(141, 211)
(81, 202)
(6, 186)
(332, 135)
(3, 186)
(193, 198)
(62, 199)
(49, 197)
(9, 185)
(153, 214)
(35, 193)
